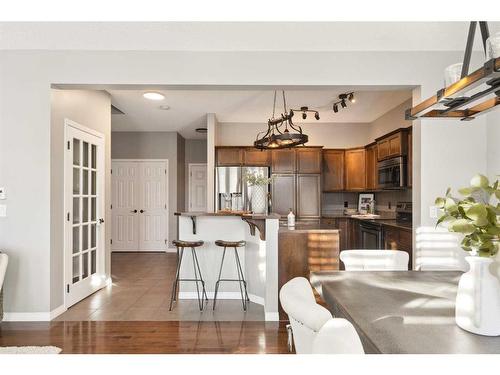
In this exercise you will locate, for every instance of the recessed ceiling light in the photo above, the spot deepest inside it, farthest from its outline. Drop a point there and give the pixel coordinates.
(151, 95)
(165, 107)
(201, 130)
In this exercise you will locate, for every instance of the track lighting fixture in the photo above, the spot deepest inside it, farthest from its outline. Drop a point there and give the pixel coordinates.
(304, 111)
(316, 115)
(342, 101)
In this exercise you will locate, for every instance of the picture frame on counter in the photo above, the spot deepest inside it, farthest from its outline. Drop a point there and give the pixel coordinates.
(364, 201)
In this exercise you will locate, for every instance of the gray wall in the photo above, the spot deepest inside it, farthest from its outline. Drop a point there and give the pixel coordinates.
(153, 145)
(181, 173)
(196, 152)
(93, 110)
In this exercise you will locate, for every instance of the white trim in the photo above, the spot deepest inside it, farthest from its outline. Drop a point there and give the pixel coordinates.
(272, 317)
(33, 316)
(141, 251)
(188, 208)
(73, 124)
(57, 311)
(141, 160)
(171, 250)
(256, 299)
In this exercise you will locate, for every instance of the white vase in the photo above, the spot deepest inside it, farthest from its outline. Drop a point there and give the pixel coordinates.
(259, 198)
(477, 307)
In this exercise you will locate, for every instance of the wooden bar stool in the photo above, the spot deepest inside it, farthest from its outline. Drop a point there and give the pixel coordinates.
(241, 278)
(197, 271)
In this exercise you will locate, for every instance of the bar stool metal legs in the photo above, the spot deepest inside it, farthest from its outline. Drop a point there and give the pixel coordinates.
(241, 279)
(198, 278)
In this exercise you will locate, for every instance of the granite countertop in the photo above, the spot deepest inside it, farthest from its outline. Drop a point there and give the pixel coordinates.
(382, 220)
(242, 214)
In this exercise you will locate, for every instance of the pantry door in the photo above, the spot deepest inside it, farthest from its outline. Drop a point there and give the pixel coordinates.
(84, 233)
(139, 209)
(125, 206)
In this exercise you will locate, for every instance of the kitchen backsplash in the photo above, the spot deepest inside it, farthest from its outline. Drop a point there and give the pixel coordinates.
(385, 201)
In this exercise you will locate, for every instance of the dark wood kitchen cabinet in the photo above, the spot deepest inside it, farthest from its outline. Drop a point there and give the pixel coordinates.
(308, 196)
(308, 159)
(229, 156)
(283, 161)
(355, 169)
(256, 158)
(283, 194)
(371, 167)
(393, 144)
(399, 239)
(333, 170)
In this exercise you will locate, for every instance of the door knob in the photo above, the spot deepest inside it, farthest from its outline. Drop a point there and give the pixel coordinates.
(142, 211)
(101, 221)
(134, 211)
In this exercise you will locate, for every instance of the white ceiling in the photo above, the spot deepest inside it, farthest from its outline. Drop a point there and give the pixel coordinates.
(239, 36)
(188, 108)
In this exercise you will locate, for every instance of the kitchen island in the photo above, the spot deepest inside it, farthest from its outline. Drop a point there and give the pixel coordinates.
(259, 257)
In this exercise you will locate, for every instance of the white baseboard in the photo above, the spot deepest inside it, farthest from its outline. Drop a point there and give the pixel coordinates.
(33, 316)
(272, 317)
(171, 250)
(256, 299)
(140, 251)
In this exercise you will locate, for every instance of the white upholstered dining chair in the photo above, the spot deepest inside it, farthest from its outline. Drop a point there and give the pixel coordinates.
(374, 260)
(314, 329)
(4, 260)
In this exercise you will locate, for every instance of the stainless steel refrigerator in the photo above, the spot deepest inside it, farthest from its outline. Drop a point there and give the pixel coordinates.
(231, 190)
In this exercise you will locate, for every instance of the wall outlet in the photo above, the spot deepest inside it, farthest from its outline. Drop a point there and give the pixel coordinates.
(3, 210)
(433, 212)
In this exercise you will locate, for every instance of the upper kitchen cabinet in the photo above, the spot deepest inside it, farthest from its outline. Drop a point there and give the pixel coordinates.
(333, 170)
(308, 196)
(371, 167)
(355, 169)
(229, 156)
(283, 193)
(283, 161)
(308, 159)
(257, 158)
(392, 144)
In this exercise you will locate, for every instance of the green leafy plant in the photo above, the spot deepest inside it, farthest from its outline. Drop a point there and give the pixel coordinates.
(473, 215)
(256, 179)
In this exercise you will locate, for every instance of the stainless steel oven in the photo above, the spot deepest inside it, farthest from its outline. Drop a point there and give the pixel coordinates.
(392, 173)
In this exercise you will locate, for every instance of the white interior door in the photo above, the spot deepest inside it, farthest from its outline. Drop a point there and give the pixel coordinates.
(197, 188)
(84, 209)
(125, 206)
(139, 209)
(153, 206)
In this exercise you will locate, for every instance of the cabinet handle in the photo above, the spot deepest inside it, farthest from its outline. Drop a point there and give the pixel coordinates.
(134, 211)
(142, 211)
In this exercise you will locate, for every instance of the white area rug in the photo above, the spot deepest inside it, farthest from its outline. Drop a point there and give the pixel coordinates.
(30, 350)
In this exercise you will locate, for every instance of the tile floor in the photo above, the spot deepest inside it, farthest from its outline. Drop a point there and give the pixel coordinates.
(141, 291)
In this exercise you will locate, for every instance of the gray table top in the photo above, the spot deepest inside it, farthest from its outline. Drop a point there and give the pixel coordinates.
(401, 311)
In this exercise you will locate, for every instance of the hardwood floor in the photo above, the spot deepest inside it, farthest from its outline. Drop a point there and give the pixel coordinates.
(132, 316)
(141, 291)
(150, 337)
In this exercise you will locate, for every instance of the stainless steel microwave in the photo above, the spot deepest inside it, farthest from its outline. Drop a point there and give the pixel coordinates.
(392, 173)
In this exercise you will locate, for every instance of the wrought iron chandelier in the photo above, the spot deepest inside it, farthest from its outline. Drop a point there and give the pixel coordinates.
(282, 132)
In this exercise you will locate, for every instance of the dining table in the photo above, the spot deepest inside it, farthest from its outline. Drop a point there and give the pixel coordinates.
(401, 312)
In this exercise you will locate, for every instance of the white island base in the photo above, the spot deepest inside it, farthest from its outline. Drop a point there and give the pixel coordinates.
(259, 258)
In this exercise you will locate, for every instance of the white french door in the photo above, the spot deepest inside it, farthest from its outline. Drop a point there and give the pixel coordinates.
(140, 214)
(84, 233)
(197, 187)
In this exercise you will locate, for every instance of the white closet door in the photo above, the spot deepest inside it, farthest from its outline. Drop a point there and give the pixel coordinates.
(125, 229)
(153, 208)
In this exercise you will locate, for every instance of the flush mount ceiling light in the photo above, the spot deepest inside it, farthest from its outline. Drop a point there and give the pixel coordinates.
(281, 132)
(452, 101)
(164, 107)
(152, 95)
(343, 101)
